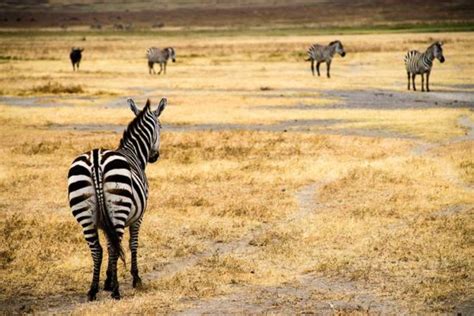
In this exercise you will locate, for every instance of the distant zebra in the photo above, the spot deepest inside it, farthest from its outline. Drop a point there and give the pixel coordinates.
(75, 56)
(108, 189)
(320, 53)
(156, 55)
(417, 63)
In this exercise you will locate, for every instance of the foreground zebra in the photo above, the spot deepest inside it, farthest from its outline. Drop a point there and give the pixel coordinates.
(320, 53)
(108, 189)
(156, 55)
(417, 63)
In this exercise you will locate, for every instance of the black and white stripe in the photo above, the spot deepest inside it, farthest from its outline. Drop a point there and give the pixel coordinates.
(417, 63)
(321, 53)
(159, 56)
(108, 189)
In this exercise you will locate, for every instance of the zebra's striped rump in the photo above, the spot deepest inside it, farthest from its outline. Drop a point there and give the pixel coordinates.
(100, 194)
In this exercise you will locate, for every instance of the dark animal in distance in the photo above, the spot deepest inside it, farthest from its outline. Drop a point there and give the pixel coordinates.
(76, 55)
(321, 53)
(417, 63)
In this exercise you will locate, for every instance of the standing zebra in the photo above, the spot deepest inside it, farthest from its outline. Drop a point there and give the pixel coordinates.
(320, 53)
(156, 55)
(417, 63)
(108, 189)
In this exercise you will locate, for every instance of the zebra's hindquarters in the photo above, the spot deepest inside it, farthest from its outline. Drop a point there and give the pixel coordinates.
(82, 196)
(100, 194)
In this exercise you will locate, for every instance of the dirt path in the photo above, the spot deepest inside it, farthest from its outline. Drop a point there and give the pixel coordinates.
(305, 294)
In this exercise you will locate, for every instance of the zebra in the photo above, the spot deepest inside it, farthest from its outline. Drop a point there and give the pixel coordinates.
(417, 63)
(320, 53)
(75, 56)
(108, 189)
(156, 55)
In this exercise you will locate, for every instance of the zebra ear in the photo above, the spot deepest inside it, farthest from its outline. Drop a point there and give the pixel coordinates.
(133, 106)
(440, 43)
(161, 107)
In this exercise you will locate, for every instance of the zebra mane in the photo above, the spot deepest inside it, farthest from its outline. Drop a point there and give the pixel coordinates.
(334, 42)
(133, 124)
(437, 43)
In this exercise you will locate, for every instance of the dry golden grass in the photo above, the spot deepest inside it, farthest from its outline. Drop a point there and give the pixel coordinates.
(384, 214)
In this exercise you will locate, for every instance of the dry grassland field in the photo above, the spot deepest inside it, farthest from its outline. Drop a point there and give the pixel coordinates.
(276, 192)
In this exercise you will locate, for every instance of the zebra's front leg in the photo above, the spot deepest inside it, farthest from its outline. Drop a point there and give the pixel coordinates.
(161, 69)
(96, 251)
(312, 66)
(134, 229)
(422, 83)
(413, 81)
(428, 81)
(165, 68)
(317, 68)
(408, 75)
(329, 68)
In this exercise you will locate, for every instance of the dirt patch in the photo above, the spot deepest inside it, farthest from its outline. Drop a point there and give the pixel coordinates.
(394, 100)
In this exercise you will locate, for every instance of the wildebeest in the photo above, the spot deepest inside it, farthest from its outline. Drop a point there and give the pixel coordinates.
(76, 55)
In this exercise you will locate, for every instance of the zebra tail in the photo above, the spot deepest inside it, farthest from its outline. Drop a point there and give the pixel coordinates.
(103, 216)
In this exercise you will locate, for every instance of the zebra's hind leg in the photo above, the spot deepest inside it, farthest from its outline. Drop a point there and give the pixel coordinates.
(422, 83)
(134, 229)
(108, 281)
(112, 278)
(96, 251)
(150, 68)
(317, 68)
(161, 69)
(408, 75)
(413, 81)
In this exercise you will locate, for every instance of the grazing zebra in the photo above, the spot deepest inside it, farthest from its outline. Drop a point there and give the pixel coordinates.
(417, 63)
(156, 55)
(76, 55)
(320, 53)
(108, 189)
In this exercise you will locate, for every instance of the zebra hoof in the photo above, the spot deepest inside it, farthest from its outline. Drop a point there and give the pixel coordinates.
(108, 285)
(137, 283)
(115, 295)
(91, 296)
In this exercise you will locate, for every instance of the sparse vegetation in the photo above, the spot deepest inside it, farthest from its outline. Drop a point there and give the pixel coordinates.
(57, 88)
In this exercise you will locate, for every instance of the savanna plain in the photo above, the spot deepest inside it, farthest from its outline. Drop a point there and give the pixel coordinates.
(276, 191)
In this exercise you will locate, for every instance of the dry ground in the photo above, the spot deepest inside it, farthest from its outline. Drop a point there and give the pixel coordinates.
(277, 192)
